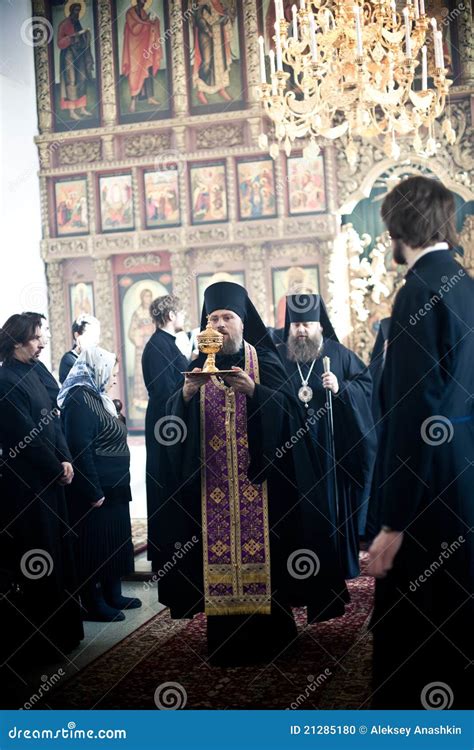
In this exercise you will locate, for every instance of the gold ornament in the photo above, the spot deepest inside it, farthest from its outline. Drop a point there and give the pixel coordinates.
(210, 342)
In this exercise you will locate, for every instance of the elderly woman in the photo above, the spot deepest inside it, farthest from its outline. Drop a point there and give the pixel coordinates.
(40, 616)
(100, 494)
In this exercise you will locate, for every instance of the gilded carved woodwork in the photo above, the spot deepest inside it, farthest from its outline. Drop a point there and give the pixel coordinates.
(185, 138)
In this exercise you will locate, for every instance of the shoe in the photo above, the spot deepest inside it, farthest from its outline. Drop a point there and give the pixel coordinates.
(103, 613)
(95, 608)
(112, 592)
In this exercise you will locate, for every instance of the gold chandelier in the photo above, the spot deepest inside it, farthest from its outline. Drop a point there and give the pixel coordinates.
(347, 68)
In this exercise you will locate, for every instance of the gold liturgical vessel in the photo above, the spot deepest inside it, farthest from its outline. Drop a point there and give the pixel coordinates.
(210, 342)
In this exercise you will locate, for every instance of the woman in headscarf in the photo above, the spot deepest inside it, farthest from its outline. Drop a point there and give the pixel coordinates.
(100, 495)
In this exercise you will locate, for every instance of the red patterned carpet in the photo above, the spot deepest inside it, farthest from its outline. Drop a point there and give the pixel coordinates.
(328, 667)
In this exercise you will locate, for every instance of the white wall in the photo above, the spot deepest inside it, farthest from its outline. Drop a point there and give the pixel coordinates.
(22, 279)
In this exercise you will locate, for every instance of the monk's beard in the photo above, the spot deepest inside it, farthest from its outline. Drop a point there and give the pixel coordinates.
(232, 344)
(304, 349)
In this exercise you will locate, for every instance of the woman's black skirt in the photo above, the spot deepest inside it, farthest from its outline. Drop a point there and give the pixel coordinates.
(104, 537)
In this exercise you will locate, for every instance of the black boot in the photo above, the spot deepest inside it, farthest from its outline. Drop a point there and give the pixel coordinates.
(95, 608)
(112, 590)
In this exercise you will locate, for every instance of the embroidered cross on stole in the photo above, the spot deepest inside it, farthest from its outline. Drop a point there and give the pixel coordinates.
(236, 543)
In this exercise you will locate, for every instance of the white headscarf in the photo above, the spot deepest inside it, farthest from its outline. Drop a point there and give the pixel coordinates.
(93, 370)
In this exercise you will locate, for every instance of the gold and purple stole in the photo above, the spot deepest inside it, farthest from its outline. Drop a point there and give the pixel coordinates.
(236, 543)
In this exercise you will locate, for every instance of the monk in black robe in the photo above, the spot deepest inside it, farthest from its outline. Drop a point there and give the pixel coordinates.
(243, 524)
(40, 611)
(162, 365)
(309, 338)
(423, 556)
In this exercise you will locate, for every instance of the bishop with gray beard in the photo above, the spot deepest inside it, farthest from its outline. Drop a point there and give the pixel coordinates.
(309, 337)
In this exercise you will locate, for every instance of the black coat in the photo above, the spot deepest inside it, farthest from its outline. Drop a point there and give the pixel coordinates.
(425, 480)
(101, 460)
(354, 437)
(68, 360)
(33, 512)
(162, 365)
(299, 514)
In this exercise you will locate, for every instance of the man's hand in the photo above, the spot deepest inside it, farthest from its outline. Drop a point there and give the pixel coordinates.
(382, 552)
(68, 473)
(193, 384)
(98, 503)
(240, 382)
(330, 381)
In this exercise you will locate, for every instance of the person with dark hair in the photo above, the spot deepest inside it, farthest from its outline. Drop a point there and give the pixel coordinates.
(249, 510)
(85, 333)
(162, 365)
(50, 383)
(309, 337)
(100, 495)
(35, 546)
(423, 554)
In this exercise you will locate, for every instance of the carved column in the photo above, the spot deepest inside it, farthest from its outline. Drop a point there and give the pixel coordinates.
(136, 200)
(107, 86)
(108, 151)
(182, 282)
(466, 240)
(251, 50)
(91, 203)
(231, 197)
(44, 208)
(57, 320)
(104, 301)
(465, 23)
(281, 187)
(42, 72)
(256, 283)
(180, 91)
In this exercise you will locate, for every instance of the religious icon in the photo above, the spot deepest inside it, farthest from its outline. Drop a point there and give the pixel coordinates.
(256, 180)
(81, 299)
(208, 193)
(136, 293)
(75, 79)
(216, 65)
(306, 185)
(162, 198)
(70, 198)
(292, 280)
(143, 71)
(116, 202)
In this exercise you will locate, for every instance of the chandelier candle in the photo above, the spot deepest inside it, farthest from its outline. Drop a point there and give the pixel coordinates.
(312, 38)
(263, 75)
(358, 27)
(278, 48)
(295, 22)
(424, 69)
(406, 14)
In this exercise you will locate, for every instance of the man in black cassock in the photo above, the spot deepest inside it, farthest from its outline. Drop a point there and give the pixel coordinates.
(309, 338)
(423, 554)
(242, 504)
(41, 614)
(162, 364)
